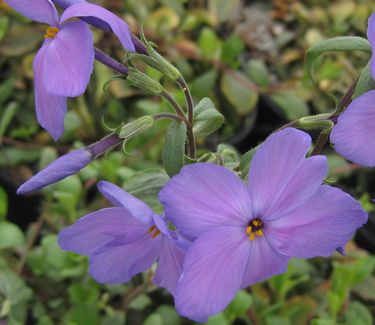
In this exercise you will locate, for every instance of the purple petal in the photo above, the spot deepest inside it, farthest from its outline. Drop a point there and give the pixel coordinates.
(42, 11)
(317, 227)
(96, 229)
(118, 26)
(117, 196)
(66, 3)
(116, 263)
(169, 265)
(371, 38)
(69, 60)
(273, 165)
(263, 262)
(212, 272)
(62, 167)
(306, 180)
(354, 129)
(50, 109)
(203, 196)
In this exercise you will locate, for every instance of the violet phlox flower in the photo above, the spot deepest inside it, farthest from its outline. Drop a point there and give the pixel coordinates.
(244, 234)
(125, 240)
(352, 135)
(69, 164)
(63, 65)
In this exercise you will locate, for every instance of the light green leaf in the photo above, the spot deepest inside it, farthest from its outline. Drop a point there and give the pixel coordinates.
(10, 235)
(3, 203)
(243, 98)
(336, 44)
(257, 72)
(207, 119)
(210, 44)
(365, 82)
(292, 106)
(174, 148)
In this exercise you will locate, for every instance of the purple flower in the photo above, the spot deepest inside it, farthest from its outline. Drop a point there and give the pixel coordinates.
(125, 240)
(63, 65)
(246, 233)
(352, 134)
(68, 164)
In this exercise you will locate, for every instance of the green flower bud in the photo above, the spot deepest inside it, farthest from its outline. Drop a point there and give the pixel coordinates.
(141, 81)
(130, 130)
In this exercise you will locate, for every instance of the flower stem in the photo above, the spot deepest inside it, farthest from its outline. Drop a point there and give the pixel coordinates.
(169, 116)
(110, 62)
(190, 109)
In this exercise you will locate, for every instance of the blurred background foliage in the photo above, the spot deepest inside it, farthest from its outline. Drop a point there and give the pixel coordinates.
(248, 57)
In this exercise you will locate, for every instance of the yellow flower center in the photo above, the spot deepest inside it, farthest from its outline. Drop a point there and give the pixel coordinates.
(255, 228)
(51, 32)
(154, 232)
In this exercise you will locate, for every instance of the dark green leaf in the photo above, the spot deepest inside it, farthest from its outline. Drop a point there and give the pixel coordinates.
(174, 148)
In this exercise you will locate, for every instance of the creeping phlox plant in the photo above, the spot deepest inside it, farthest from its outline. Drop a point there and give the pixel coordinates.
(222, 230)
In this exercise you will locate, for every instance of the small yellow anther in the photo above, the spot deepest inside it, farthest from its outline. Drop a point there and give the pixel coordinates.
(248, 229)
(259, 232)
(252, 236)
(151, 229)
(256, 223)
(51, 32)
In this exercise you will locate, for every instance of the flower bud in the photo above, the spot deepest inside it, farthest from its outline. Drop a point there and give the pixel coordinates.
(144, 82)
(130, 130)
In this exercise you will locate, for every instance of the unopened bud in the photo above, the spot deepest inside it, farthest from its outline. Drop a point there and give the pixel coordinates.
(130, 130)
(140, 80)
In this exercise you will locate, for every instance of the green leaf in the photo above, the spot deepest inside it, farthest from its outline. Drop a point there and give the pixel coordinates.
(203, 84)
(10, 235)
(337, 44)
(174, 148)
(169, 315)
(3, 203)
(6, 89)
(277, 320)
(239, 306)
(218, 320)
(210, 44)
(146, 185)
(245, 162)
(13, 288)
(207, 119)
(358, 314)
(257, 72)
(7, 117)
(83, 315)
(153, 319)
(232, 50)
(292, 106)
(242, 97)
(365, 82)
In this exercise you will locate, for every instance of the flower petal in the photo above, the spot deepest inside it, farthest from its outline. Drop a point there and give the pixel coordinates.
(96, 229)
(204, 195)
(69, 60)
(306, 180)
(116, 263)
(117, 196)
(62, 167)
(371, 38)
(118, 26)
(273, 165)
(355, 126)
(169, 265)
(50, 109)
(42, 11)
(212, 272)
(263, 262)
(317, 227)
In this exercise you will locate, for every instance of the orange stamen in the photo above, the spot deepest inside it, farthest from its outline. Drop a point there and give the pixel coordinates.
(51, 32)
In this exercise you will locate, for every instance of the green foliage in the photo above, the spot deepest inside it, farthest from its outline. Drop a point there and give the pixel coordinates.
(174, 148)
